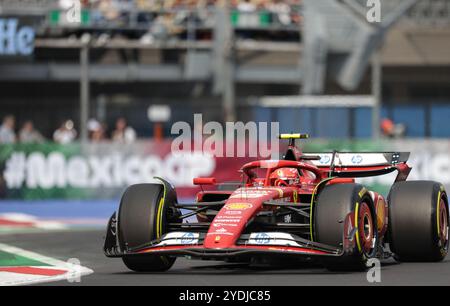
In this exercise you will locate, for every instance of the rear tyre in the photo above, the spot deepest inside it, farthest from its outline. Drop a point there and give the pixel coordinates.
(333, 206)
(143, 215)
(418, 221)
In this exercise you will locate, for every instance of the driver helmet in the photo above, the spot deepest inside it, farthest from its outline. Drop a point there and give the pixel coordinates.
(288, 175)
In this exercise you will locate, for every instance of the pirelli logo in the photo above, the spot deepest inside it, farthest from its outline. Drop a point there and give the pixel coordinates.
(362, 192)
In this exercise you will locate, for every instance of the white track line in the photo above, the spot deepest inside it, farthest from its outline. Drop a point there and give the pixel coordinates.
(74, 271)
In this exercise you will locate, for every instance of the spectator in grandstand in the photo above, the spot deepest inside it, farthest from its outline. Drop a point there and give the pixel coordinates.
(66, 133)
(109, 9)
(123, 132)
(392, 130)
(96, 130)
(7, 134)
(281, 10)
(246, 6)
(28, 134)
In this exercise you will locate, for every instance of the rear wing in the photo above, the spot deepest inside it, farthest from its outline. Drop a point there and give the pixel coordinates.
(355, 159)
(361, 164)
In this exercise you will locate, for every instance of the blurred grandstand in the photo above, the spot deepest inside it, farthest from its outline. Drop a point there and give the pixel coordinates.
(117, 71)
(223, 57)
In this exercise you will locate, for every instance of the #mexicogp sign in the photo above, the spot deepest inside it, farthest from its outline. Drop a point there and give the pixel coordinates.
(102, 171)
(43, 171)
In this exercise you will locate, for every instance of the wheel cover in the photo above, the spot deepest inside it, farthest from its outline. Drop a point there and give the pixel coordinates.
(366, 228)
(443, 225)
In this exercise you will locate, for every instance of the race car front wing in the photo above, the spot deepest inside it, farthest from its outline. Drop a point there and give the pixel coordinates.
(259, 243)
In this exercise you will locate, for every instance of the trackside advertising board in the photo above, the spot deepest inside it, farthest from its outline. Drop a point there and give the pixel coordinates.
(102, 171)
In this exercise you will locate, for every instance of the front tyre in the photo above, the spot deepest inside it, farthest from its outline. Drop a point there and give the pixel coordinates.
(145, 210)
(418, 221)
(334, 204)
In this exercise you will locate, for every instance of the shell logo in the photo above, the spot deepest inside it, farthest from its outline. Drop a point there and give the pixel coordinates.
(238, 206)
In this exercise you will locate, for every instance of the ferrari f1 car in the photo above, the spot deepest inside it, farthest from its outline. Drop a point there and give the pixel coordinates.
(304, 206)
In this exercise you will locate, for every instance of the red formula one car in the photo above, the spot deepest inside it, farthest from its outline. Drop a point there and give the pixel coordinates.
(305, 206)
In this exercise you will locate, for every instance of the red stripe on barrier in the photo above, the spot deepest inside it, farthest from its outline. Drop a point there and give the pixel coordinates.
(33, 271)
(6, 222)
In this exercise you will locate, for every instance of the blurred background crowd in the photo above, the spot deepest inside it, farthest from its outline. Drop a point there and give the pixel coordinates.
(157, 19)
(284, 11)
(65, 133)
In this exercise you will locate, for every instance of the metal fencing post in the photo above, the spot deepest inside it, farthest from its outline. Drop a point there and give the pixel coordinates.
(224, 61)
(377, 92)
(84, 87)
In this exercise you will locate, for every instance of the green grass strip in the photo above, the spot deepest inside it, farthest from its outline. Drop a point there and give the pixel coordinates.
(10, 259)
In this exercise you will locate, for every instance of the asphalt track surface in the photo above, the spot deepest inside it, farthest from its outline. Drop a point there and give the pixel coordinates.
(87, 247)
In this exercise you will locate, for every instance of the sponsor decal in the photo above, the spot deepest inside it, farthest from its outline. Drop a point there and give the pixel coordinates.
(238, 206)
(233, 217)
(287, 218)
(272, 238)
(228, 220)
(324, 159)
(233, 213)
(283, 200)
(352, 159)
(187, 238)
(249, 194)
(357, 159)
(254, 193)
(176, 238)
(221, 231)
(362, 192)
(350, 227)
(224, 224)
(245, 196)
(262, 238)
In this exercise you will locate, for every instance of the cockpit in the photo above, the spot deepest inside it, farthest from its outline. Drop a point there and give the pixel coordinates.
(280, 173)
